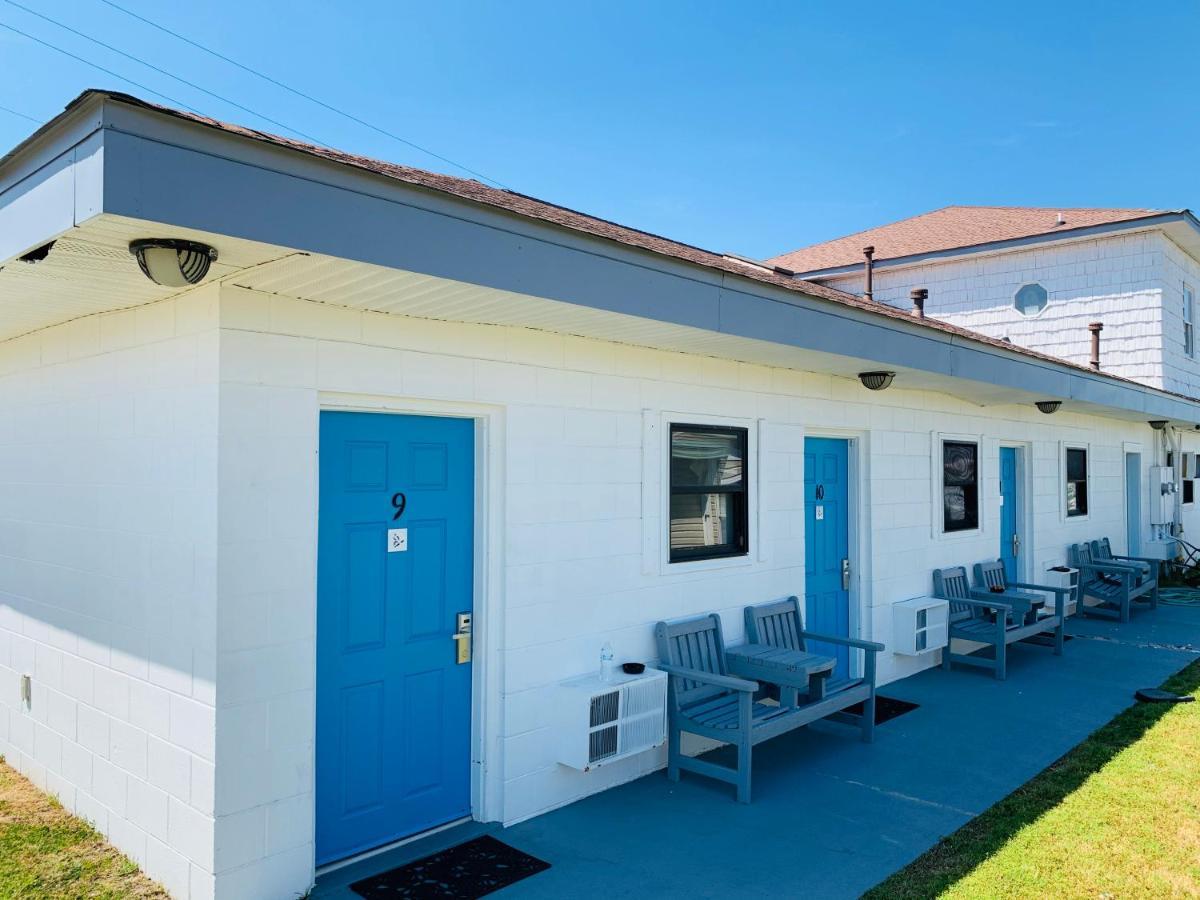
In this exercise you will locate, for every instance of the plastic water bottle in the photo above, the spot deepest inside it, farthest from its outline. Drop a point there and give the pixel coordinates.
(607, 667)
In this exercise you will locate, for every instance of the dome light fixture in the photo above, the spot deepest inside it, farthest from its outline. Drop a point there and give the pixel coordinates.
(876, 381)
(1048, 406)
(1157, 424)
(171, 262)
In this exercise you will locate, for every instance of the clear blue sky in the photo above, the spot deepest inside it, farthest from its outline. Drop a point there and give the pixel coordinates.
(745, 127)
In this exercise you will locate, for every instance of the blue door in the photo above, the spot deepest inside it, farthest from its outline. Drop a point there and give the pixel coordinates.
(827, 545)
(1009, 504)
(393, 702)
(1133, 503)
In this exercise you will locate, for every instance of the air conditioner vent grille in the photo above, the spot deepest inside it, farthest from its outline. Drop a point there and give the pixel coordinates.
(602, 743)
(605, 708)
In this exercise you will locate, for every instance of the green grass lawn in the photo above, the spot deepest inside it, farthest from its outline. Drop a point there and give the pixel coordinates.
(1118, 816)
(48, 854)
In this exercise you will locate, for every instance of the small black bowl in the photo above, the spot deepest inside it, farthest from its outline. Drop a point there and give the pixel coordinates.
(633, 668)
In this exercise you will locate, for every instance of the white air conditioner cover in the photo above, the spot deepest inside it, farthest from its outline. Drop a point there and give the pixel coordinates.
(601, 722)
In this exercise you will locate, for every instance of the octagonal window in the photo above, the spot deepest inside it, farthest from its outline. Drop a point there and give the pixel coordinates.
(1030, 299)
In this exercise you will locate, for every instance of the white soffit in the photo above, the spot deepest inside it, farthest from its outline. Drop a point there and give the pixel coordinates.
(361, 286)
(90, 270)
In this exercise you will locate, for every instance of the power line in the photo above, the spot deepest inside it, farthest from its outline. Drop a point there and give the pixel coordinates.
(139, 61)
(88, 62)
(299, 93)
(21, 115)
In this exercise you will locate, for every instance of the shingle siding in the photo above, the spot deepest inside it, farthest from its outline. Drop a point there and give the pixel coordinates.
(1118, 280)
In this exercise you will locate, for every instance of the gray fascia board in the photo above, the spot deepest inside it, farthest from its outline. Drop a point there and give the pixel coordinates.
(51, 181)
(178, 173)
(1153, 221)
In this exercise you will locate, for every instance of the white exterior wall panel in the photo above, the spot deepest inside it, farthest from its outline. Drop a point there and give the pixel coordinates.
(578, 564)
(1181, 372)
(108, 474)
(215, 492)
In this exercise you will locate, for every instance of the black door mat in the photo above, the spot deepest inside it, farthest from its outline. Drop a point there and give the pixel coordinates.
(470, 870)
(886, 708)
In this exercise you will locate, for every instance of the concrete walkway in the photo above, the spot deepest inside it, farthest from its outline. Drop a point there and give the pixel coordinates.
(831, 816)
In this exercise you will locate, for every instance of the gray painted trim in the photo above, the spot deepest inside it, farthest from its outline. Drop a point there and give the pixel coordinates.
(190, 176)
(51, 182)
(1154, 221)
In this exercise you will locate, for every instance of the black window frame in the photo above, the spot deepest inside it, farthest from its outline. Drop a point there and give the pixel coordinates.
(1081, 496)
(970, 521)
(1189, 491)
(740, 501)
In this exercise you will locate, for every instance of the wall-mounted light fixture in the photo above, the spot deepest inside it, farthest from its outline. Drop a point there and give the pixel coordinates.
(173, 263)
(1048, 406)
(876, 381)
(1157, 424)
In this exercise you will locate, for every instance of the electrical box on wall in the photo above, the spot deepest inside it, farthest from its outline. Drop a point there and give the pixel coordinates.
(1162, 495)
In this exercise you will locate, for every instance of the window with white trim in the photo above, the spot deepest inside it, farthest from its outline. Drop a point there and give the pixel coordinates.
(709, 504)
(1077, 481)
(1189, 334)
(960, 486)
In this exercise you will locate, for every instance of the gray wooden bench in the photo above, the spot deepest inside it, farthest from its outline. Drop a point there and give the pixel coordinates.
(977, 614)
(781, 624)
(1102, 554)
(1115, 584)
(705, 699)
(990, 575)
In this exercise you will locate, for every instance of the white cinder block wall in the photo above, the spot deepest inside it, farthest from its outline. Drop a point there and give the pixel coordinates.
(1118, 280)
(133, 492)
(574, 569)
(108, 549)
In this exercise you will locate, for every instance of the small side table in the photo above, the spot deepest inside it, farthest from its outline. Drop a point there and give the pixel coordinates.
(792, 670)
(1025, 605)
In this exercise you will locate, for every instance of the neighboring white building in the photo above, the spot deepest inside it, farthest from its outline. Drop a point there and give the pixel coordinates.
(197, 484)
(1039, 277)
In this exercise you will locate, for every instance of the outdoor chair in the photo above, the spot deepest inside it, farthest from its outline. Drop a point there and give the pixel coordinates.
(1146, 567)
(705, 698)
(978, 614)
(990, 575)
(1114, 584)
(781, 624)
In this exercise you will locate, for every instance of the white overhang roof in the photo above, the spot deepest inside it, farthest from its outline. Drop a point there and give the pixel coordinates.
(300, 224)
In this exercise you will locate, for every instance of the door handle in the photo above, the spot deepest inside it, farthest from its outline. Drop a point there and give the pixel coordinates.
(462, 638)
(1016, 544)
(845, 574)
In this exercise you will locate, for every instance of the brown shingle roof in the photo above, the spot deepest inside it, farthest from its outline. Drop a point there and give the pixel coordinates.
(952, 227)
(529, 207)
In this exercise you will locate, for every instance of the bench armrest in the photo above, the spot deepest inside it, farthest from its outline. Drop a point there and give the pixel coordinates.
(996, 605)
(1048, 588)
(728, 682)
(1126, 573)
(844, 641)
(1145, 559)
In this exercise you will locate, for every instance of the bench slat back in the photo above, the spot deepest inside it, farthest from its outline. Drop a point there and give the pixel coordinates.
(1081, 555)
(951, 584)
(1101, 549)
(695, 643)
(777, 624)
(990, 574)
